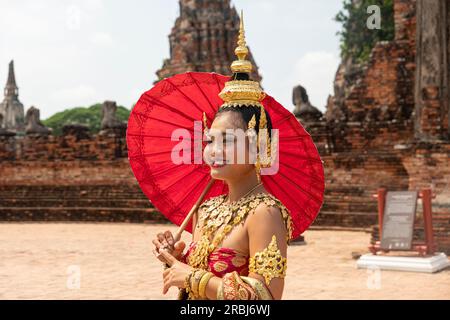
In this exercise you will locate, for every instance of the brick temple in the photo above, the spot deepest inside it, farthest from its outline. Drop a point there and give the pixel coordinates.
(203, 39)
(11, 109)
(387, 125)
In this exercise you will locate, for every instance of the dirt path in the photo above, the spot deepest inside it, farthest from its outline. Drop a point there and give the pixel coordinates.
(114, 261)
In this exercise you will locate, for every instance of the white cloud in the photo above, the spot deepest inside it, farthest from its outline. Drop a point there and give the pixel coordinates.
(315, 71)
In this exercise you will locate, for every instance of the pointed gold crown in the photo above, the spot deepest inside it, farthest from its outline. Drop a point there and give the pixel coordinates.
(242, 92)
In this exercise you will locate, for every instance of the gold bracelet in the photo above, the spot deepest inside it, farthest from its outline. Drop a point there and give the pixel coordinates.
(195, 280)
(203, 283)
(219, 293)
(187, 285)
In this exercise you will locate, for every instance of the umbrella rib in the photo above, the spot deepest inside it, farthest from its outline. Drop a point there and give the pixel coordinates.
(293, 200)
(185, 96)
(150, 154)
(200, 89)
(157, 173)
(164, 121)
(217, 81)
(301, 172)
(282, 120)
(299, 187)
(184, 177)
(182, 200)
(155, 136)
(293, 138)
(162, 104)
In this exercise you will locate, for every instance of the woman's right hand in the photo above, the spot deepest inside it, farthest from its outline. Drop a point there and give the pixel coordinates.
(165, 241)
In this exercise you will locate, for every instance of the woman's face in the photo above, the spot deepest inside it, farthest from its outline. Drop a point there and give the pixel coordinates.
(227, 149)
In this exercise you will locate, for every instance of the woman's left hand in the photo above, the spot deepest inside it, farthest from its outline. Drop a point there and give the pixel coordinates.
(176, 274)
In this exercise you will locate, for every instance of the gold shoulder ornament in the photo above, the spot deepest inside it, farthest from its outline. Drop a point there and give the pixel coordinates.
(269, 263)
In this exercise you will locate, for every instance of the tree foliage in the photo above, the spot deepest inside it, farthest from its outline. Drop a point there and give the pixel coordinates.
(90, 116)
(357, 40)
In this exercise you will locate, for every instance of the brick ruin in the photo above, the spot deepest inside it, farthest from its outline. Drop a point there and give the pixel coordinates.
(203, 39)
(11, 109)
(387, 125)
(77, 176)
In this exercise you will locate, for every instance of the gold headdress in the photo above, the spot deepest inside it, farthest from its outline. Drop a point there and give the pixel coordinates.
(242, 92)
(237, 93)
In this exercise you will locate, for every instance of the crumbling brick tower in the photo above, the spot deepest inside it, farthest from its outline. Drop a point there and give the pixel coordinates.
(388, 123)
(11, 109)
(203, 39)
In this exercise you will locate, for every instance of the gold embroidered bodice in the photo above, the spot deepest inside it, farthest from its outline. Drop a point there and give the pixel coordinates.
(219, 215)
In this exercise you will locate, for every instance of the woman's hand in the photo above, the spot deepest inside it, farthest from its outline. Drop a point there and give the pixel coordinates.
(166, 241)
(176, 274)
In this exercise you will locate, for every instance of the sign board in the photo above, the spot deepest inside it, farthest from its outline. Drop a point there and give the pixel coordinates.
(398, 220)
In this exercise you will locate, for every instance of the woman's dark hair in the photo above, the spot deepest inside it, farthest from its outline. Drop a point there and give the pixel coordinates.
(247, 111)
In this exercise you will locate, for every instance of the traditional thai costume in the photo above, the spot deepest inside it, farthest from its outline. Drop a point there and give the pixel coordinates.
(218, 218)
(227, 263)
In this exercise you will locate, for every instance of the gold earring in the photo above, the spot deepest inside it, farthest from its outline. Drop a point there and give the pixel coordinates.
(205, 124)
(258, 169)
(252, 125)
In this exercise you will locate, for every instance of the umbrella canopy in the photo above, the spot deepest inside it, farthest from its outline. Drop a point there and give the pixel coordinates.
(168, 111)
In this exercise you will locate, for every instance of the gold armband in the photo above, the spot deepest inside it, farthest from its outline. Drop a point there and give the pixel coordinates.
(195, 281)
(191, 283)
(269, 263)
(203, 283)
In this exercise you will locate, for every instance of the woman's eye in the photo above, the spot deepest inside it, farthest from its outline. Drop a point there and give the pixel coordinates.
(208, 141)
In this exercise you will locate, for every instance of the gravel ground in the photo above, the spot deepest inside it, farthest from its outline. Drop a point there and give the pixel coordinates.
(114, 261)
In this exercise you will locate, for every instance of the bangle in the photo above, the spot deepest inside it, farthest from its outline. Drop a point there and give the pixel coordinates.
(203, 283)
(219, 293)
(197, 275)
(187, 285)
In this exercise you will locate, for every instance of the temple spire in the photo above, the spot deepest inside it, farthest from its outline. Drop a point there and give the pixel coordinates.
(203, 39)
(11, 88)
(11, 109)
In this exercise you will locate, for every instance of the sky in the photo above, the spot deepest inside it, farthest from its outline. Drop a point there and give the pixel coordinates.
(80, 52)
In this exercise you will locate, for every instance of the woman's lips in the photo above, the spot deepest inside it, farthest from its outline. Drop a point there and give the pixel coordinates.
(218, 165)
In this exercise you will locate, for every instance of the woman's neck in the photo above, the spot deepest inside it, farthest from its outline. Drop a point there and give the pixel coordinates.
(238, 188)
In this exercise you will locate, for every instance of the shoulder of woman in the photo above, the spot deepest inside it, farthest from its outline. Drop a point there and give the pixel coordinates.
(268, 212)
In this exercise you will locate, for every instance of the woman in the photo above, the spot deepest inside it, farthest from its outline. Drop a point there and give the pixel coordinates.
(240, 239)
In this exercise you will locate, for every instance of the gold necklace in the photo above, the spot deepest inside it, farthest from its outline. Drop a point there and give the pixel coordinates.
(214, 216)
(199, 257)
(251, 190)
(218, 217)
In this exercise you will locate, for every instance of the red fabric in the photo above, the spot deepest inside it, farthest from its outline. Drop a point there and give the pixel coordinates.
(177, 102)
(223, 260)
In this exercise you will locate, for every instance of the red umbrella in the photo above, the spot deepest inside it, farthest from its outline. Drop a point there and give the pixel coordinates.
(173, 188)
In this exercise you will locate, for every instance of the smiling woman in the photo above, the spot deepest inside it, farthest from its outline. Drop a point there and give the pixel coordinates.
(240, 237)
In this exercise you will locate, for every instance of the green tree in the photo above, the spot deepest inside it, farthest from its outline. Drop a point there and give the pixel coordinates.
(90, 116)
(357, 40)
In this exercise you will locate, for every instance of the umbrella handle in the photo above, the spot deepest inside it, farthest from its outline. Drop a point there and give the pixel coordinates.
(180, 230)
(193, 210)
